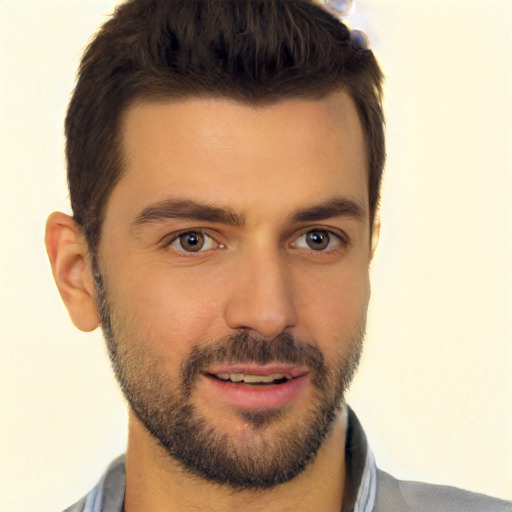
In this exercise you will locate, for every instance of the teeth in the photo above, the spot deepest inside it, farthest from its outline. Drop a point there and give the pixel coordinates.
(252, 379)
(262, 378)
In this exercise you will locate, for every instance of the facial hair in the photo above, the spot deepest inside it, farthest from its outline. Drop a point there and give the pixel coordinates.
(275, 452)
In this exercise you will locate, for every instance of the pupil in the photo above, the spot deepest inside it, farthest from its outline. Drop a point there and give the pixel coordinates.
(318, 240)
(192, 242)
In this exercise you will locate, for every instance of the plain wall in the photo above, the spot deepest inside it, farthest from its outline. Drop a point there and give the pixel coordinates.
(434, 389)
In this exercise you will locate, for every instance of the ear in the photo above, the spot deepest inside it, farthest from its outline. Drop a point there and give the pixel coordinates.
(71, 266)
(375, 235)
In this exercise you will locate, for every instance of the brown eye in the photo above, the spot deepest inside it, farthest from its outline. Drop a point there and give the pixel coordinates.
(322, 241)
(192, 241)
(317, 240)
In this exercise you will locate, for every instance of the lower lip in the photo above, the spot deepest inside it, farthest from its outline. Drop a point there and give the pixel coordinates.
(255, 397)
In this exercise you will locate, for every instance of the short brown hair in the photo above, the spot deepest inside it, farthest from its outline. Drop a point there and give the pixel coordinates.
(256, 51)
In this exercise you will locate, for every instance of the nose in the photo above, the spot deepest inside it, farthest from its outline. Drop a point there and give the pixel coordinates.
(261, 298)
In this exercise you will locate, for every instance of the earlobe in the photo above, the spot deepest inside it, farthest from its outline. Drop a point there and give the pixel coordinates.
(375, 235)
(69, 258)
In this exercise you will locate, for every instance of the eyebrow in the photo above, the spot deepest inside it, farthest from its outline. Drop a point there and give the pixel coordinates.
(336, 207)
(196, 210)
(186, 209)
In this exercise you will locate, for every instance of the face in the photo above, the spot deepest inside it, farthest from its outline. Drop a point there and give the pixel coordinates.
(232, 279)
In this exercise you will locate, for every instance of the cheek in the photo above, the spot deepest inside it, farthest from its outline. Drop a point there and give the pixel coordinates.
(171, 306)
(332, 306)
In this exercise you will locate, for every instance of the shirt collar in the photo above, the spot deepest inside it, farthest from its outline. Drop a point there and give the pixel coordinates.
(360, 469)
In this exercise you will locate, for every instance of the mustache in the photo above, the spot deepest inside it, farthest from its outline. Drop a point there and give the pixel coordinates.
(246, 348)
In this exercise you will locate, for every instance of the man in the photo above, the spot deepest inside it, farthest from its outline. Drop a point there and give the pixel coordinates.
(224, 165)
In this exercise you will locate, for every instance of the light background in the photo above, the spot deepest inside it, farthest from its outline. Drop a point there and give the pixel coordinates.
(434, 389)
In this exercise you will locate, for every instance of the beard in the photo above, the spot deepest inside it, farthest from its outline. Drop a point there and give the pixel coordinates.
(276, 446)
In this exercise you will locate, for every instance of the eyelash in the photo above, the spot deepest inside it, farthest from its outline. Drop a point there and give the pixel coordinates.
(341, 239)
(176, 236)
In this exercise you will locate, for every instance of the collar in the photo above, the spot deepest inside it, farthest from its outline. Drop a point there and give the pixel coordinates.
(360, 480)
(360, 469)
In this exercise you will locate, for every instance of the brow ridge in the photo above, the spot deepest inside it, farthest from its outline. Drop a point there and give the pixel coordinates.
(336, 207)
(187, 209)
(200, 211)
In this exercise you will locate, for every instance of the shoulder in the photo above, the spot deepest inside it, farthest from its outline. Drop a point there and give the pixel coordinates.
(108, 493)
(401, 496)
(78, 506)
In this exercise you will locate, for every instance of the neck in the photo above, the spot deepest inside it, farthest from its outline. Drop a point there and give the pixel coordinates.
(156, 482)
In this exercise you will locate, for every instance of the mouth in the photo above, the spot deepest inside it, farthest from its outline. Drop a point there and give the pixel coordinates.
(260, 387)
(252, 380)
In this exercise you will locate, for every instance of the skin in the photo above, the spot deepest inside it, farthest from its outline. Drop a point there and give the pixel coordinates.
(264, 163)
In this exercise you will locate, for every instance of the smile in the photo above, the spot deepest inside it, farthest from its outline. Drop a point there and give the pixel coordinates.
(257, 380)
(256, 387)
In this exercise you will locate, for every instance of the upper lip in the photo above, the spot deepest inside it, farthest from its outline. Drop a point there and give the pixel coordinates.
(254, 369)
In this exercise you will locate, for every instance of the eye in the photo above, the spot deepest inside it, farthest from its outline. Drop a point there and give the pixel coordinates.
(317, 240)
(193, 241)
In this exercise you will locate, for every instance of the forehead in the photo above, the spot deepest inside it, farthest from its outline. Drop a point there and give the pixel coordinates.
(278, 156)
